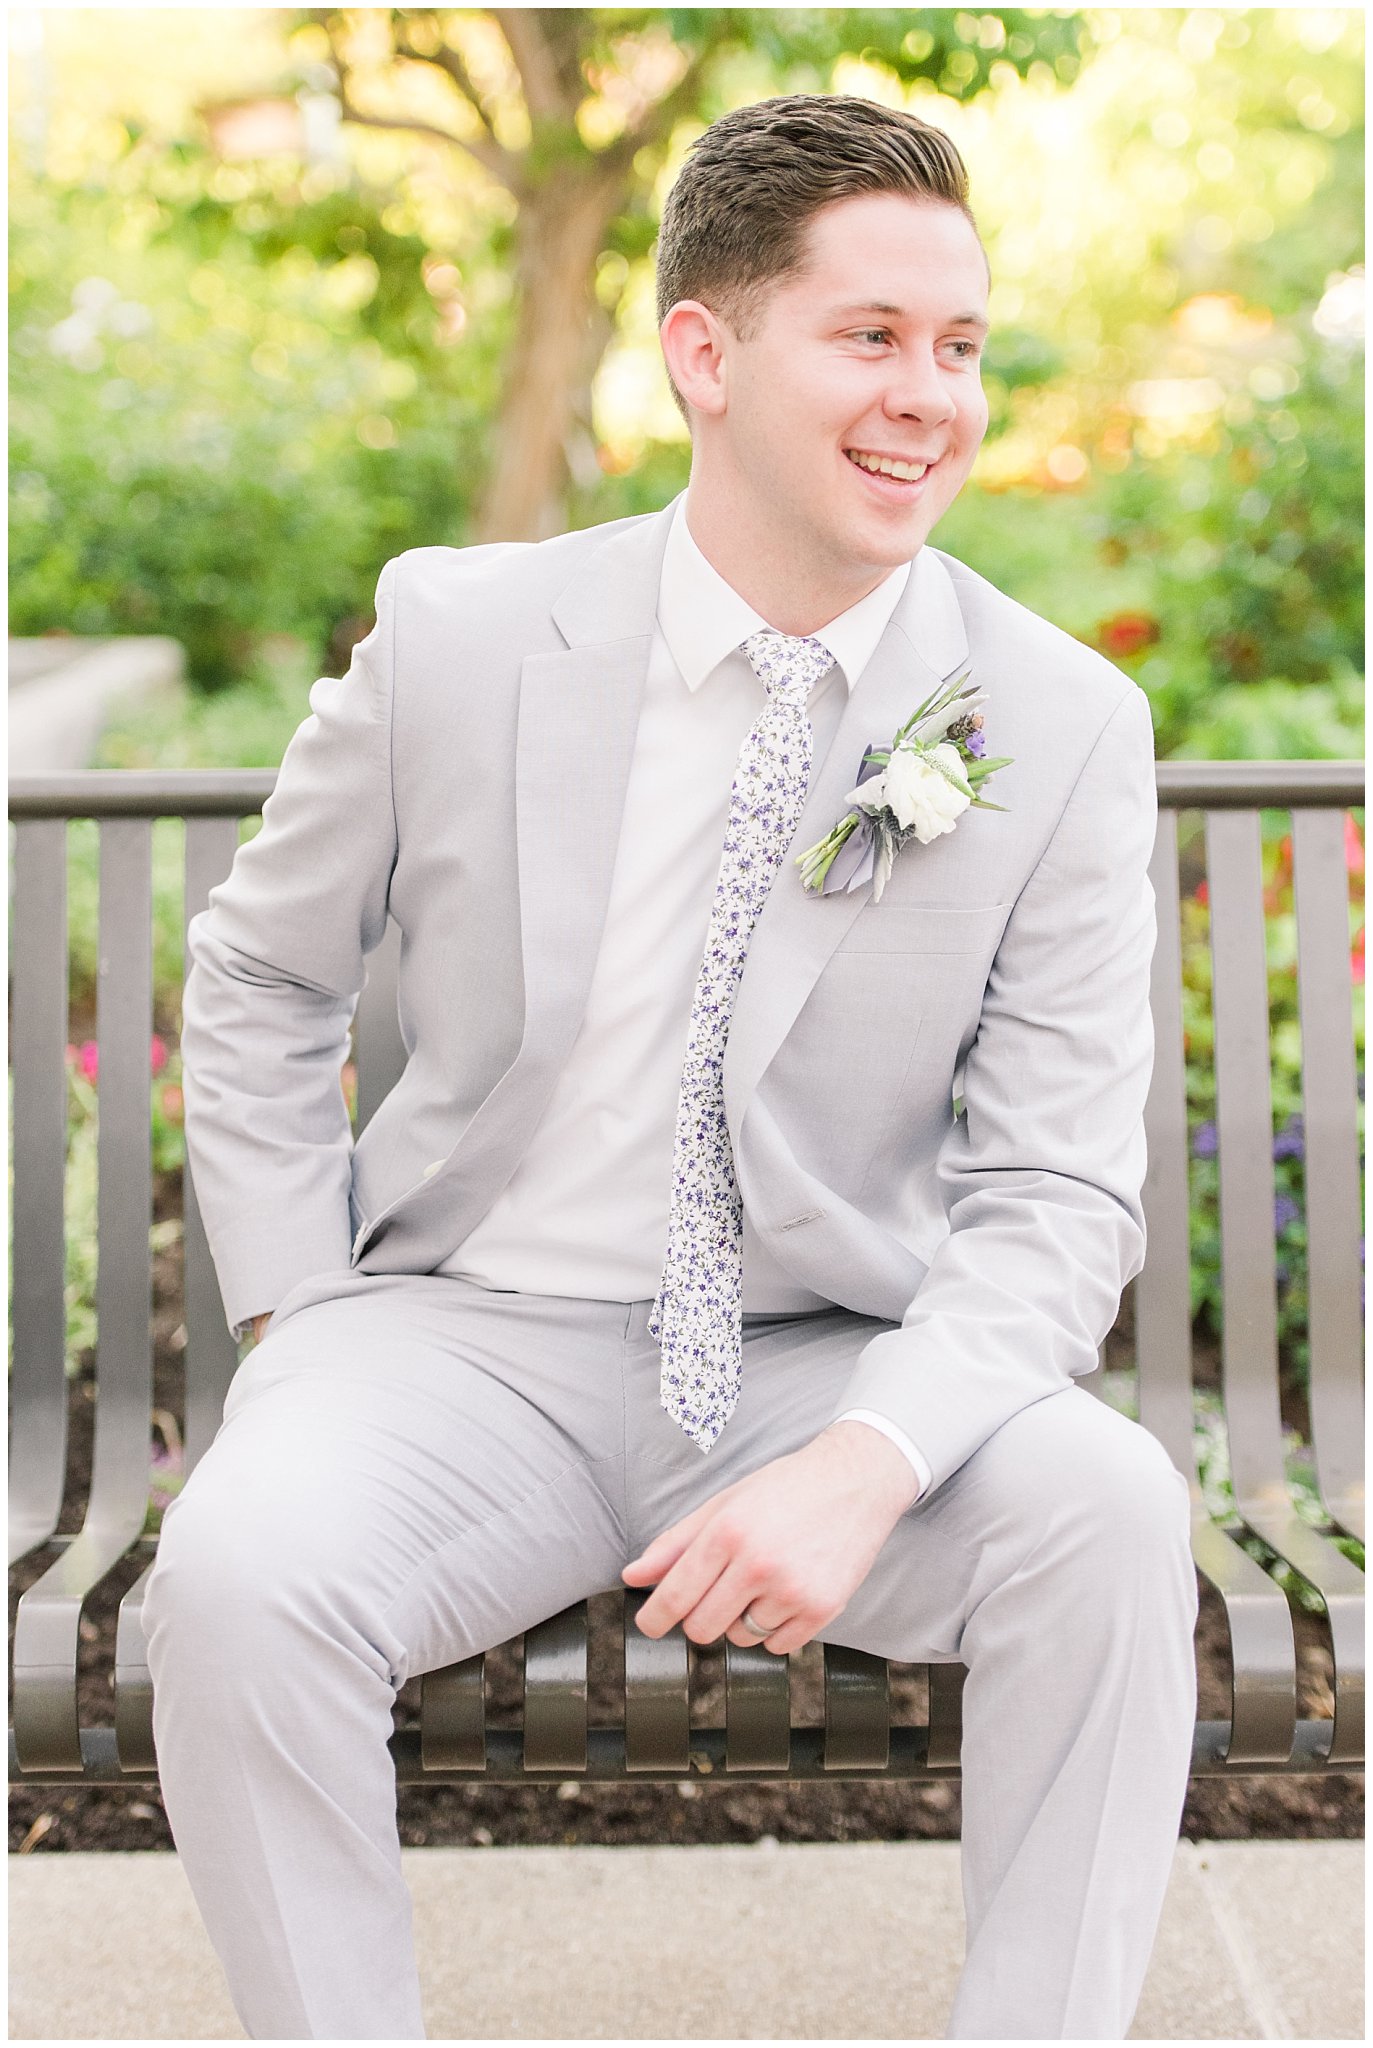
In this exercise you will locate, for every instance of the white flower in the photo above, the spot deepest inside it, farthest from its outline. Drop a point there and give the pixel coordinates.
(913, 788)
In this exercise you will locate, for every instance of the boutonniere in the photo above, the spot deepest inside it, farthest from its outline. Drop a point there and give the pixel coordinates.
(919, 787)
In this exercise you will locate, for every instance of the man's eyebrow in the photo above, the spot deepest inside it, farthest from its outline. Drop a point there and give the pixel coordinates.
(978, 320)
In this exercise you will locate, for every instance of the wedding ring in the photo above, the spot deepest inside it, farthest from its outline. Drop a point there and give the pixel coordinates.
(749, 1623)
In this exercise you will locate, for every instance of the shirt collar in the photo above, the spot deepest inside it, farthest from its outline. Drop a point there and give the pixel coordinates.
(703, 618)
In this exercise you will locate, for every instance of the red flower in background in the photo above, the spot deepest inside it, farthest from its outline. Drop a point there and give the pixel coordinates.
(1356, 955)
(1353, 846)
(1125, 633)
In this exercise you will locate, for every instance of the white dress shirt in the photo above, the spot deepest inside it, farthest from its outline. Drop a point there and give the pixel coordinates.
(585, 1212)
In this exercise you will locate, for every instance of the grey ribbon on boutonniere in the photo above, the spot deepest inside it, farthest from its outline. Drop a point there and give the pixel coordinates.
(852, 865)
(925, 780)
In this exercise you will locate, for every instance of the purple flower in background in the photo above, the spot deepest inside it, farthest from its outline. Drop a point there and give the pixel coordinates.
(1204, 1143)
(1285, 1211)
(977, 746)
(1290, 1142)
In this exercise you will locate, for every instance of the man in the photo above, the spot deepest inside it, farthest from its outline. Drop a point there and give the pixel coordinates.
(760, 1269)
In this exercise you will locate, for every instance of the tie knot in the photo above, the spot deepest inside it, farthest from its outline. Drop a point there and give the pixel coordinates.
(787, 668)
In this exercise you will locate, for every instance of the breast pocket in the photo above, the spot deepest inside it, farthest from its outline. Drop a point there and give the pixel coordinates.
(925, 928)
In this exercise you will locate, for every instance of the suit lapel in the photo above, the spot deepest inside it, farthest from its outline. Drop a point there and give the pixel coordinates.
(578, 716)
(797, 931)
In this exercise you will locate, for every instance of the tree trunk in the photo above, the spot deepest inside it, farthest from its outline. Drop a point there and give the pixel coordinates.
(562, 225)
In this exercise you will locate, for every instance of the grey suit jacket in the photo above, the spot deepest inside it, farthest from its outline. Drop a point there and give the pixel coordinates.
(467, 777)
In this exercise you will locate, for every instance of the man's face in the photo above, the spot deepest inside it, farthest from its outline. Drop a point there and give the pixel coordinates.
(871, 355)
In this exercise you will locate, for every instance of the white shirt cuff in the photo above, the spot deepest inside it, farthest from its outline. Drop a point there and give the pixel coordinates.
(897, 1436)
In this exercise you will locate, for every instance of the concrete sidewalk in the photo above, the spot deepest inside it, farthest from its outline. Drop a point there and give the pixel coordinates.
(861, 1941)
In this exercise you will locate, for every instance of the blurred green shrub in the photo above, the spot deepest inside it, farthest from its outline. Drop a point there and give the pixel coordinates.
(224, 416)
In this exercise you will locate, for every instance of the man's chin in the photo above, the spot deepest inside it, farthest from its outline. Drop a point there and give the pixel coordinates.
(885, 544)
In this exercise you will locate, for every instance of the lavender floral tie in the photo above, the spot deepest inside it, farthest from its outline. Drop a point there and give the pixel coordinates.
(698, 1310)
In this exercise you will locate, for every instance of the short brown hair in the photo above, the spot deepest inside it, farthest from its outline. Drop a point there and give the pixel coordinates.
(736, 217)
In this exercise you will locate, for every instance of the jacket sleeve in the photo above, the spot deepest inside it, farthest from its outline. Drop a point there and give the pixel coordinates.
(1041, 1174)
(275, 969)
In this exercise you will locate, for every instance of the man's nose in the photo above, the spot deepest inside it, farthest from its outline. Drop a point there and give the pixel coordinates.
(917, 391)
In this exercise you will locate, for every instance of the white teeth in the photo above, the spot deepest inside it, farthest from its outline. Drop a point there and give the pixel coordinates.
(882, 465)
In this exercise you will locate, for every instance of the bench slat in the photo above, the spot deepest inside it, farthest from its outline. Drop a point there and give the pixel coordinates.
(211, 1355)
(1262, 1645)
(453, 1717)
(47, 1622)
(946, 1715)
(1263, 1649)
(1330, 1106)
(857, 1710)
(1163, 1291)
(1249, 1336)
(657, 1697)
(379, 1049)
(757, 1709)
(38, 1385)
(1244, 1126)
(555, 1692)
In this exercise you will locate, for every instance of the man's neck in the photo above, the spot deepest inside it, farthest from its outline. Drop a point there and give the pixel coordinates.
(772, 572)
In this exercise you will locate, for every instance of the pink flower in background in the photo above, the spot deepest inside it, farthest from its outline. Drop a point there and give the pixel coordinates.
(1353, 846)
(87, 1057)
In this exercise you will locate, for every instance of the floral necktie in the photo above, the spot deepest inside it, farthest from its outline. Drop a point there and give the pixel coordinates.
(698, 1310)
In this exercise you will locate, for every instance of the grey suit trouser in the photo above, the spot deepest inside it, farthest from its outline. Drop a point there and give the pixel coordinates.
(412, 1468)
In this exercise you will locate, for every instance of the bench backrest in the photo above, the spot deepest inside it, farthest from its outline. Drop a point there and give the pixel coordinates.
(1230, 797)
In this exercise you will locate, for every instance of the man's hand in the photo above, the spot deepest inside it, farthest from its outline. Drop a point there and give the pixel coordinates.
(792, 1541)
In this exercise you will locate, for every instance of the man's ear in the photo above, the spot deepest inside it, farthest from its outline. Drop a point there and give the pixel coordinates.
(694, 350)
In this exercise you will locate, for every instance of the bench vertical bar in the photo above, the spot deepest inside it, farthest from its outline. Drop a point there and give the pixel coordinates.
(47, 1622)
(555, 1692)
(211, 1355)
(124, 1022)
(38, 1385)
(378, 1046)
(1163, 1290)
(1263, 1652)
(757, 1709)
(1330, 1105)
(1249, 1345)
(657, 1694)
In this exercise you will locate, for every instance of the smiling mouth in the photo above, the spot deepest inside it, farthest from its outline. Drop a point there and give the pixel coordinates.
(887, 465)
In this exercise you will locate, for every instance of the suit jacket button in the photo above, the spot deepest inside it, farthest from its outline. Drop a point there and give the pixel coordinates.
(432, 1167)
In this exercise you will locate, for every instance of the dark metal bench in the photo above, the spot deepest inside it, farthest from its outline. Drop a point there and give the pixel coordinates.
(655, 1738)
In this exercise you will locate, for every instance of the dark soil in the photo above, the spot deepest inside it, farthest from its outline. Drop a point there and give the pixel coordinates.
(46, 1818)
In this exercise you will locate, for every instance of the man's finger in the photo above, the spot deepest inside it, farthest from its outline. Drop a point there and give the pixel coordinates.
(791, 1634)
(747, 1637)
(695, 1571)
(723, 1603)
(665, 1549)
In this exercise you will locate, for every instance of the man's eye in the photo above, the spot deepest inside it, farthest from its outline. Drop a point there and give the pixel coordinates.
(970, 346)
(874, 334)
